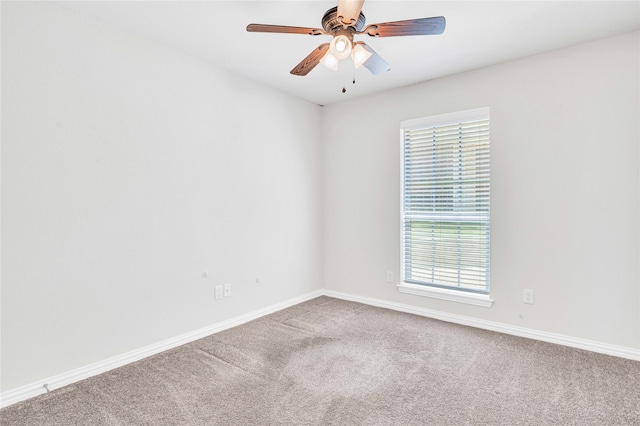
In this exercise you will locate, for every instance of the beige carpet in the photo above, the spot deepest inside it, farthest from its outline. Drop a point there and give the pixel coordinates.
(332, 362)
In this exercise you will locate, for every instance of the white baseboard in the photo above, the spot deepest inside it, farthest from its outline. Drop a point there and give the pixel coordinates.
(574, 342)
(28, 391)
(34, 389)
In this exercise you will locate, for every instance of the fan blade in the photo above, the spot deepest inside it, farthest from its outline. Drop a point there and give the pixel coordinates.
(264, 28)
(375, 63)
(311, 61)
(349, 10)
(423, 26)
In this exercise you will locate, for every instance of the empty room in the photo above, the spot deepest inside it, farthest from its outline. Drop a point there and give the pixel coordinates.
(337, 212)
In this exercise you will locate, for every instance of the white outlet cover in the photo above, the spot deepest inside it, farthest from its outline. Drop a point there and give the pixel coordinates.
(227, 290)
(218, 292)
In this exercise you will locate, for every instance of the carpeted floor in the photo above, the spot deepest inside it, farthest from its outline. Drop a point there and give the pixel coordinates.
(333, 362)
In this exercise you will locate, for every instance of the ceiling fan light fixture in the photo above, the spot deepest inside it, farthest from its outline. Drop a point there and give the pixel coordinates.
(360, 55)
(330, 61)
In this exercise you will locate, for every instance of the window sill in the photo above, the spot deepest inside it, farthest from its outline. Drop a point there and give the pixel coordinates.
(445, 294)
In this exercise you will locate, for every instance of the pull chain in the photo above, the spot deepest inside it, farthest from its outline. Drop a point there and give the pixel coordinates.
(344, 78)
(344, 89)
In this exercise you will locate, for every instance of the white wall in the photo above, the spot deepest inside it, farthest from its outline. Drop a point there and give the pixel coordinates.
(565, 189)
(128, 169)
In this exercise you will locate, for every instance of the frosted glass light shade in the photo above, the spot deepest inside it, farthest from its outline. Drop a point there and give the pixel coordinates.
(330, 61)
(340, 47)
(360, 55)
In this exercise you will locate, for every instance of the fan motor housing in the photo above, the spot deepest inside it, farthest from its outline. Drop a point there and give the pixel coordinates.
(331, 21)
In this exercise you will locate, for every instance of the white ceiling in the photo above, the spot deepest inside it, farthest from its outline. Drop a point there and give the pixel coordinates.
(478, 33)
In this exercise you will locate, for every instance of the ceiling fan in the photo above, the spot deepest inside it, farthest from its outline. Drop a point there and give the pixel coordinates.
(343, 22)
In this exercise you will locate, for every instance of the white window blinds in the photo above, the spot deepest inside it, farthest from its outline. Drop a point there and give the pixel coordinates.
(445, 205)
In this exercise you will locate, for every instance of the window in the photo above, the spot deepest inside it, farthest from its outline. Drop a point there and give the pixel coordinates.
(445, 206)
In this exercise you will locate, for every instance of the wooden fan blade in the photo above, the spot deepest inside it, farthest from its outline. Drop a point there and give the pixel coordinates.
(264, 28)
(423, 26)
(375, 63)
(349, 10)
(311, 61)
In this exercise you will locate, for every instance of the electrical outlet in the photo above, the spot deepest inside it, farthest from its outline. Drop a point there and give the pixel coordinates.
(227, 290)
(527, 296)
(390, 277)
(218, 292)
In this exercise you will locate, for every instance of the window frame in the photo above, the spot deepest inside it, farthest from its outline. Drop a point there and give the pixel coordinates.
(435, 290)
